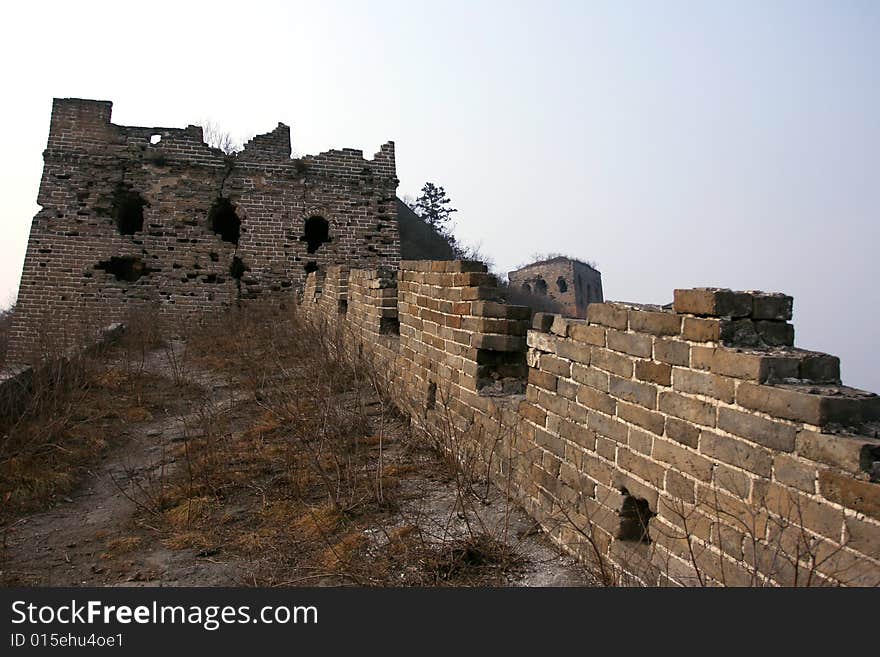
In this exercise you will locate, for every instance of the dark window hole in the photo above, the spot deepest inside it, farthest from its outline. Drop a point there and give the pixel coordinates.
(501, 372)
(635, 514)
(214, 257)
(431, 400)
(342, 306)
(316, 233)
(389, 326)
(128, 210)
(311, 266)
(124, 268)
(237, 268)
(541, 286)
(561, 285)
(223, 220)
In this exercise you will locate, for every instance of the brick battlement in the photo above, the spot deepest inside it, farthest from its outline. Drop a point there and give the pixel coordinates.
(700, 421)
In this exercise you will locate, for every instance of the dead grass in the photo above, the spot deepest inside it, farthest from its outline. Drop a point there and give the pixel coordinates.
(305, 480)
(67, 412)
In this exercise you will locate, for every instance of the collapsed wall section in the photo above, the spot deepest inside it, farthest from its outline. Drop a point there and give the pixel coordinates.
(135, 216)
(687, 446)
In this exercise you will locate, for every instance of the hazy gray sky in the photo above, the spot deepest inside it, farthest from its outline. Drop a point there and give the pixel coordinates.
(675, 144)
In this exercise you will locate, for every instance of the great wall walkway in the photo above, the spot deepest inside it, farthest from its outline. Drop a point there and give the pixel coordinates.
(97, 537)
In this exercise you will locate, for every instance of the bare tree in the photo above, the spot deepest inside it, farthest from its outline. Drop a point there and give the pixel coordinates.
(216, 137)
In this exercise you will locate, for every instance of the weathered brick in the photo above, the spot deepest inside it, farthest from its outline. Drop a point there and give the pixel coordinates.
(856, 494)
(819, 368)
(542, 341)
(649, 420)
(789, 471)
(592, 335)
(855, 454)
(773, 306)
(557, 366)
(606, 448)
(590, 376)
(500, 310)
(630, 343)
(496, 342)
(700, 329)
(543, 321)
(679, 486)
(792, 506)
(809, 404)
(757, 429)
(736, 452)
(655, 323)
(612, 362)
(686, 408)
(541, 379)
(551, 443)
(608, 427)
(575, 351)
(682, 432)
(640, 466)
(862, 535)
(775, 334)
(596, 400)
(553, 403)
(606, 314)
(640, 441)
(754, 366)
(654, 372)
(683, 460)
(533, 413)
(672, 352)
(633, 391)
(712, 302)
(567, 389)
(732, 481)
(703, 383)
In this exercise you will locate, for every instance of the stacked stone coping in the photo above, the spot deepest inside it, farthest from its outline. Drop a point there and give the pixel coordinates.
(656, 404)
(749, 447)
(188, 268)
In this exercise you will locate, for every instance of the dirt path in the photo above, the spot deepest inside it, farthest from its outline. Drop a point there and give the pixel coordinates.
(91, 537)
(87, 539)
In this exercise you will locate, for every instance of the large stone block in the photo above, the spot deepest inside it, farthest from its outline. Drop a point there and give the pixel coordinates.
(713, 302)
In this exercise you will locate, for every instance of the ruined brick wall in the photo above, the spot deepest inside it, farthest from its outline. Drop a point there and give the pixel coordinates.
(136, 216)
(571, 283)
(685, 446)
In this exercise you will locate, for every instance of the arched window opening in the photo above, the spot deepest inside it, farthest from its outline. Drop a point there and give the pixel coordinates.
(128, 210)
(224, 221)
(316, 232)
(541, 286)
(561, 285)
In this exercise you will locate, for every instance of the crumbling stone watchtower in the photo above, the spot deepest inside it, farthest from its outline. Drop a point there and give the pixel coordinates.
(134, 215)
(571, 283)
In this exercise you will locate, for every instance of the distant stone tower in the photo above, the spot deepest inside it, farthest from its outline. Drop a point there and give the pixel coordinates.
(135, 216)
(571, 283)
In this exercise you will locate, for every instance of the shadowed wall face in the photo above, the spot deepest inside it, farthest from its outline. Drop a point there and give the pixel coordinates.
(692, 444)
(133, 216)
